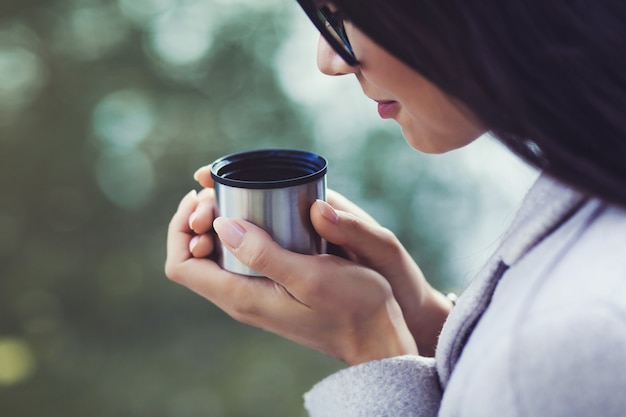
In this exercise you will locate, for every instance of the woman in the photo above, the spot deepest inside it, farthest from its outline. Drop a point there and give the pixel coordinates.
(542, 328)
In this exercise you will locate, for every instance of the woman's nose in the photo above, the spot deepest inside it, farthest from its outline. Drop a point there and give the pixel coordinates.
(330, 62)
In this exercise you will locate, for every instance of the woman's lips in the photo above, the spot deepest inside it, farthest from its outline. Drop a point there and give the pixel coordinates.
(387, 109)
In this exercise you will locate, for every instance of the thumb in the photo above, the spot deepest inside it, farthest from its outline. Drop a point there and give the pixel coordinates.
(255, 248)
(373, 245)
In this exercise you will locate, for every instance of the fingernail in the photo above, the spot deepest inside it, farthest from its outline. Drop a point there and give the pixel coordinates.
(195, 174)
(229, 232)
(328, 212)
(193, 243)
(192, 218)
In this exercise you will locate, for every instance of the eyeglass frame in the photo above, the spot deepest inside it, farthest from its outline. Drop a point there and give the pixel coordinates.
(344, 49)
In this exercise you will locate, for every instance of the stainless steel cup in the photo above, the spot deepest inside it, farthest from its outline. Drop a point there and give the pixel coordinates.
(274, 189)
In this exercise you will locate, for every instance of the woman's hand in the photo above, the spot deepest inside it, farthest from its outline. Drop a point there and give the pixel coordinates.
(367, 243)
(325, 302)
(364, 242)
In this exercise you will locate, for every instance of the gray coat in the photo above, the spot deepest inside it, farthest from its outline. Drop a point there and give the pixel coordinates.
(541, 331)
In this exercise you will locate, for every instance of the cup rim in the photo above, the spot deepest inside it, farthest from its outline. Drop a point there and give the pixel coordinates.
(313, 165)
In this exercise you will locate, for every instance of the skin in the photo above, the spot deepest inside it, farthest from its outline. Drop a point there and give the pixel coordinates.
(340, 307)
(373, 304)
(431, 121)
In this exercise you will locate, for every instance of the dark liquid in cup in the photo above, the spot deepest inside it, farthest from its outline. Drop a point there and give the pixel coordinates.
(266, 173)
(268, 168)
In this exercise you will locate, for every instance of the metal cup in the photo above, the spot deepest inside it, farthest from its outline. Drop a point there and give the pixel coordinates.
(273, 189)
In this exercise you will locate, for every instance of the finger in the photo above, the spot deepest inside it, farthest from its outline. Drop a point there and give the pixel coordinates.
(247, 299)
(201, 220)
(201, 246)
(256, 249)
(203, 176)
(339, 202)
(179, 234)
(374, 245)
(342, 223)
(206, 194)
(314, 281)
(243, 298)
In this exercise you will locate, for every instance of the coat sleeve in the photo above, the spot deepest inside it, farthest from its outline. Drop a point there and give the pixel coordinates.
(396, 387)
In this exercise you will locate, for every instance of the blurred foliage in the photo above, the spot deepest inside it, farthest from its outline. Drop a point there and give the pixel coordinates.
(106, 109)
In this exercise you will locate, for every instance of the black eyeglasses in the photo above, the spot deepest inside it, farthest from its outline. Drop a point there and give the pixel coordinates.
(330, 25)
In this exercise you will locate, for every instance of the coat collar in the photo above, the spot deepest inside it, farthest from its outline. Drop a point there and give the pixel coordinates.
(546, 206)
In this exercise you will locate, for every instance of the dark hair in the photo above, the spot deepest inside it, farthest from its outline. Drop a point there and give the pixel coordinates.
(548, 78)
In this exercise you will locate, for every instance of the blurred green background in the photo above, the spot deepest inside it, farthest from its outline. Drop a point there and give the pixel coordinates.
(106, 109)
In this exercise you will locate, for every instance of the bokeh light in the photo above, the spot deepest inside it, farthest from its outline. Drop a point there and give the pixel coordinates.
(126, 179)
(17, 362)
(142, 12)
(88, 30)
(122, 120)
(28, 75)
(183, 34)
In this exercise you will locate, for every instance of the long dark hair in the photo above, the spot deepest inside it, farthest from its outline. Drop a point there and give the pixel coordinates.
(548, 78)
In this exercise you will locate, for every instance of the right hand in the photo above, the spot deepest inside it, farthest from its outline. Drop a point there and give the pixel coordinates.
(364, 242)
(369, 244)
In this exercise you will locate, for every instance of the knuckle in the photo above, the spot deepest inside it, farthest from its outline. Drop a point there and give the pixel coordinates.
(353, 222)
(172, 272)
(384, 235)
(313, 291)
(206, 194)
(259, 257)
(203, 247)
(241, 312)
(244, 312)
(204, 218)
(317, 280)
(353, 226)
(388, 237)
(390, 242)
